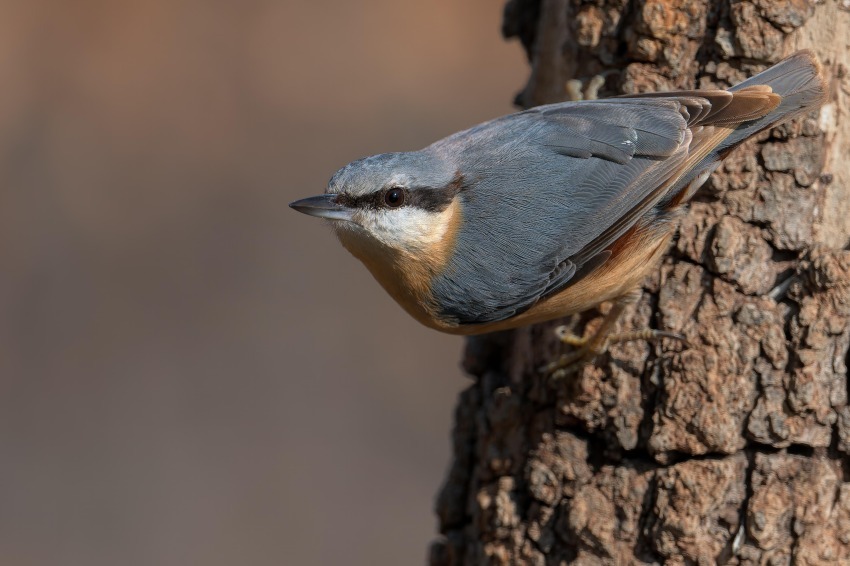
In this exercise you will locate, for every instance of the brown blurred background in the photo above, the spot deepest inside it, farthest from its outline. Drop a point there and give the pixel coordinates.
(190, 372)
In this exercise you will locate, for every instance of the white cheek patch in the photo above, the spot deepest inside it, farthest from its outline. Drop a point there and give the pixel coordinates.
(408, 228)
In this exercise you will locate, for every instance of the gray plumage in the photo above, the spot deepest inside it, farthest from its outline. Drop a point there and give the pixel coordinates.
(554, 186)
(544, 184)
(544, 196)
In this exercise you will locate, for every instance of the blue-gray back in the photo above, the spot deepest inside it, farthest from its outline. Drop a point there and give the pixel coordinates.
(542, 190)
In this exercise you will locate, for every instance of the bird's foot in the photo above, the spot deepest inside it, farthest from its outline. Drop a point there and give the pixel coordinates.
(590, 347)
(589, 90)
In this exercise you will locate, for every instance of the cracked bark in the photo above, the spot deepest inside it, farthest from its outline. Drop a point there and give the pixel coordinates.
(735, 449)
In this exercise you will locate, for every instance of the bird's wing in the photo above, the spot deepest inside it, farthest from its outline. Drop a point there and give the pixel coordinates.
(553, 188)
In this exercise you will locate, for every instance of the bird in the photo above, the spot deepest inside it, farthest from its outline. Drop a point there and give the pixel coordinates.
(553, 210)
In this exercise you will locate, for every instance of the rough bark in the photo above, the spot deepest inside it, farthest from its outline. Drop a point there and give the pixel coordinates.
(733, 449)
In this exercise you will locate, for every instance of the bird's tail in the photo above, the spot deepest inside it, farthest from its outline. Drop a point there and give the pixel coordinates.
(789, 89)
(798, 80)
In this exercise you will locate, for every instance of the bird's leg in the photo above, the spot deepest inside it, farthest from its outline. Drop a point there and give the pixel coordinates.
(589, 347)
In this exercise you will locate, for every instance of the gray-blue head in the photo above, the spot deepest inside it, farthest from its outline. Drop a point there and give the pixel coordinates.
(400, 200)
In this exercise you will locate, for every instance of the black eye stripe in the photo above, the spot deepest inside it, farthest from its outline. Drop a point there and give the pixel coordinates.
(370, 201)
(426, 198)
(434, 200)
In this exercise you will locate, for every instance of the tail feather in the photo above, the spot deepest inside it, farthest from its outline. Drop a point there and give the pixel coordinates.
(798, 80)
(789, 89)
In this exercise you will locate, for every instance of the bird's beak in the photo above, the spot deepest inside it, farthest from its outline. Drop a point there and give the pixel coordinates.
(323, 206)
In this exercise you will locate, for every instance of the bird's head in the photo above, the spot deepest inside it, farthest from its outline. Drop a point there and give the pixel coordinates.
(400, 201)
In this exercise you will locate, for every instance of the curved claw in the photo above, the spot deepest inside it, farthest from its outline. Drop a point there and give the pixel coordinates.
(569, 338)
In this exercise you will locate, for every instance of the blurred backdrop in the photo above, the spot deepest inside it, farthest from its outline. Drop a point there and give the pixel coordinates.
(190, 372)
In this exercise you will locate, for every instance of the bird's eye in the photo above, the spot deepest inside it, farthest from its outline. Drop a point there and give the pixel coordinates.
(394, 197)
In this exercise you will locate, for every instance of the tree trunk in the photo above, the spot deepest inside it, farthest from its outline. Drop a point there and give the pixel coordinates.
(734, 448)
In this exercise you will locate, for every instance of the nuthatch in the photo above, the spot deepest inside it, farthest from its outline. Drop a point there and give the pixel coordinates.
(550, 211)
